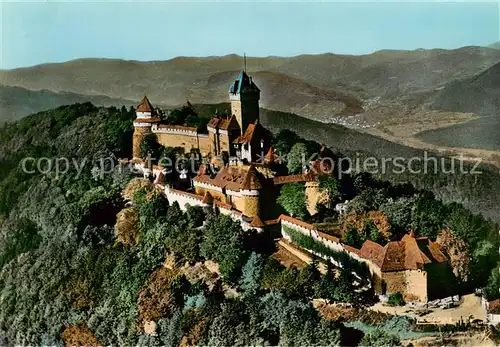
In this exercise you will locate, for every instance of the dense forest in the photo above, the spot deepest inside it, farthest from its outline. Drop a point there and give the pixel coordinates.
(95, 255)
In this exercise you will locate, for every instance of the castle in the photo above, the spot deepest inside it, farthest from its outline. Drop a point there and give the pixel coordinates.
(239, 136)
(246, 188)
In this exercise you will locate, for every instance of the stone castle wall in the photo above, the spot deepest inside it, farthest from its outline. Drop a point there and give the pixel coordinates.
(251, 205)
(412, 284)
(188, 142)
(215, 194)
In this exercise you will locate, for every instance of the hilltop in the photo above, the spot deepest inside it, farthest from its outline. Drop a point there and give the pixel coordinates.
(323, 80)
(495, 45)
(18, 102)
(479, 94)
(122, 269)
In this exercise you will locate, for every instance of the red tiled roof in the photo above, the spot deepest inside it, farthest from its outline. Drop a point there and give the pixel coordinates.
(225, 123)
(233, 178)
(297, 222)
(289, 179)
(248, 134)
(372, 251)
(145, 105)
(195, 196)
(251, 181)
(494, 306)
(407, 254)
(148, 120)
(272, 221)
(213, 122)
(208, 198)
(257, 222)
(271, 156)
(352, 249)
(223, 205)
(328, 237)
(220, 123)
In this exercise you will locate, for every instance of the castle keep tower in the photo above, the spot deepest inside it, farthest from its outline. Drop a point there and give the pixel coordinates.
(145, 118)
(244, 96)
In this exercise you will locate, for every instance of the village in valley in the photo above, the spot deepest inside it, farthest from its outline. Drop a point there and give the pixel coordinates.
(243, 176)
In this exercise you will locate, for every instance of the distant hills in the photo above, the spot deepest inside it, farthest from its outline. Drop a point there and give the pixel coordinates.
(495, 45)
(479, 94)
(385, 86)
(321, 85)
(17, 102)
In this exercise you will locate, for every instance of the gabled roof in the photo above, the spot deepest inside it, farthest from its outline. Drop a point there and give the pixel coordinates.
(226, 123)
(407, 254)
(250, 133)
(222, 123)
(145, 105)
(251, 181)
(233, 178)
(213, 122)
(243, 84)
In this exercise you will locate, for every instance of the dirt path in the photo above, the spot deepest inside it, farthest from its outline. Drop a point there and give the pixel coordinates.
(470, 305)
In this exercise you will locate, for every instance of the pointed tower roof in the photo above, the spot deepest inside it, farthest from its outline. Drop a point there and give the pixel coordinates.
(257, 222)
(242, 84)
(251, 181)
(208, 198)
(271, 156)
(145, 105)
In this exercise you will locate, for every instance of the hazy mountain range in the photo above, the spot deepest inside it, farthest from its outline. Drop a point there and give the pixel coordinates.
(359, 91)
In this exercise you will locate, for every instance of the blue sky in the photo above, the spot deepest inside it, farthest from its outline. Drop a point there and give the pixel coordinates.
(35, 33)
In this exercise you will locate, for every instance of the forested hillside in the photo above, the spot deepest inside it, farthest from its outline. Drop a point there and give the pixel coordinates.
(80, 266)
(479, 193)
(74, 272)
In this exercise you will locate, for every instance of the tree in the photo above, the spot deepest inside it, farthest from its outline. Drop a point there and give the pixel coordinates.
(428, 215)
(330, 185)
(352, 237)
(223, 241)
(284, 141)
(23, 237)
(185, 244)
(195, 215)
(293, 199)
(396, 299)
(492, 289)
(153, 210)
(456, 250)
(150, 147)
(399, 213)
(296, 158)
(252, 274)
(371, 232)
(126, 227)
(380, 338)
